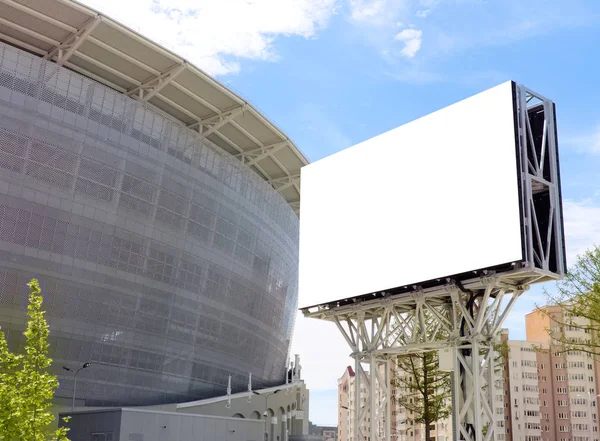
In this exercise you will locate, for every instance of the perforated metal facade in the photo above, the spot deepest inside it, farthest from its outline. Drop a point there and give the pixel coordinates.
(163, 260)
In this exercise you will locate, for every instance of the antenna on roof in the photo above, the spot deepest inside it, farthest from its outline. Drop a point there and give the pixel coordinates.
(228, 405)
(249, 387)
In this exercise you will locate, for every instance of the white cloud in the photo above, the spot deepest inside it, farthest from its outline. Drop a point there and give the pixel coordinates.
(422, 13)
(215, 34)
(582, 226)
(363, 10)
(412, 41)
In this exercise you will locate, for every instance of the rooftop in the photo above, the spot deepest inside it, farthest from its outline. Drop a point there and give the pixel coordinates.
(82, 39)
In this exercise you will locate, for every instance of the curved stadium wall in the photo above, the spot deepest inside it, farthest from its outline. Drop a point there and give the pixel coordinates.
(163, 260)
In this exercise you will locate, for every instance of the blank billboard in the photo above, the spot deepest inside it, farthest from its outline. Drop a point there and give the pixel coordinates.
(433, 198)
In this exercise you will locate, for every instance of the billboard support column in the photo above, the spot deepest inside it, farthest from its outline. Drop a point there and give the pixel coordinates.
(465, 317)
(374, 367)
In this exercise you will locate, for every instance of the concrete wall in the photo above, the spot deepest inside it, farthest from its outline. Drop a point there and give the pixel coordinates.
(158, 426)
(145, 425)
(83, 425)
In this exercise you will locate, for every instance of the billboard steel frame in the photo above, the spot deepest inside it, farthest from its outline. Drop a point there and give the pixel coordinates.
(462, 315)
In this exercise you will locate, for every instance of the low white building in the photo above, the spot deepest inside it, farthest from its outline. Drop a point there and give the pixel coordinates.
(278, 413)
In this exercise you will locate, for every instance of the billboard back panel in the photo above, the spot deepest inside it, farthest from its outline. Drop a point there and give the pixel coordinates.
(436, 197)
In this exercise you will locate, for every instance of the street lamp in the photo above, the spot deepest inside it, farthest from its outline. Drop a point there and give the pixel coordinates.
(85, 366)
(266, 397)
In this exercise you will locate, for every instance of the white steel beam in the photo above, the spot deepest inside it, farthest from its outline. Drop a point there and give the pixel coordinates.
(109, 69)
(67, 48)
(261, 145)
(284, 182)
(197, 97)
(464, 317)
(36, 14)
(246, 133)
(213, 123)
(275, 160)
(123, 55)
(282, 167)
(29, 32)
(229, 141)
(151, 87)
(251, 157)
(18, 42)
(261, 172)
(179, 107)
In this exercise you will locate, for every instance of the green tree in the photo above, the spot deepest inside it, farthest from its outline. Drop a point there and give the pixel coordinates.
(425, 390)
(26, 386)
(579, 296)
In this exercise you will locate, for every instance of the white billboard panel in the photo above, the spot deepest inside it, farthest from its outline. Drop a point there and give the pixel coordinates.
(433, 198)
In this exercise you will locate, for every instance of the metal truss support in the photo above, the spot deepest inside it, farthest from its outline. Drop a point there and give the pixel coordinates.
(148, 89)
(284, 182)
(67, 48)
(540, 181)
(463, 317)
(210, 125)
(251, 157)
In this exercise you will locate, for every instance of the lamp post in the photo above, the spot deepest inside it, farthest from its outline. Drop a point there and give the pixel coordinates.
(350, 410)
(85, 366)
(266, 397)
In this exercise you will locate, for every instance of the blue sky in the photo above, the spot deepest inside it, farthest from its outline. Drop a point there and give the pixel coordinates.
(332, 73)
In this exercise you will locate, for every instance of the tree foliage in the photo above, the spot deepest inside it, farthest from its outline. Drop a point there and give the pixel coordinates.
(579, 296)
(26, 386)
(425, 390)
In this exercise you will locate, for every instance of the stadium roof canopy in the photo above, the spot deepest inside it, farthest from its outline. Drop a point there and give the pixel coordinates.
(98, 47)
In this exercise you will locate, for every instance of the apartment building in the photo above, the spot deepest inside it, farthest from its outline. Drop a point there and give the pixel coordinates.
(522, 393)
(569, 376)
(347, 406)
(550, 394)
(402, 425)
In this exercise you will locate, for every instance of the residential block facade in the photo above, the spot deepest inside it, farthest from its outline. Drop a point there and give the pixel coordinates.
(549, 393)
(402, 423)
(542, 392)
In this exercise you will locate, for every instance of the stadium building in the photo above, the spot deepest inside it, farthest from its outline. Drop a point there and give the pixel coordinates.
(156, 206)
